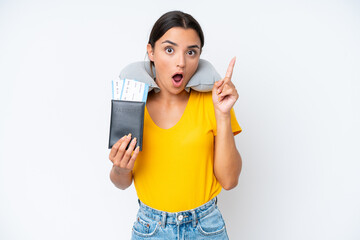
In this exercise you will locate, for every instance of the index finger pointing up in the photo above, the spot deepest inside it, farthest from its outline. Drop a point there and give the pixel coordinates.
(230, 68)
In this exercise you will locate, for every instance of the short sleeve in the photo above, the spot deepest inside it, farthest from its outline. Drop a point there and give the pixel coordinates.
(236, 129)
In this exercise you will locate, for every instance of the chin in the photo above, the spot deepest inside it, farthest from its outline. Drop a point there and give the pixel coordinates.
(178, 90)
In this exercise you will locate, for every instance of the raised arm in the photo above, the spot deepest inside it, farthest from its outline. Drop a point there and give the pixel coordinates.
(227, 160)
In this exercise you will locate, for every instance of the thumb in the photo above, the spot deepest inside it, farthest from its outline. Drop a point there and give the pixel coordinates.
(217, 84)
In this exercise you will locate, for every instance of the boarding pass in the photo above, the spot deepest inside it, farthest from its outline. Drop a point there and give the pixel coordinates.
(129, 90)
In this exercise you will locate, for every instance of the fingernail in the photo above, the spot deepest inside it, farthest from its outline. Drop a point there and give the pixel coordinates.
(134, 139)
(129, 136)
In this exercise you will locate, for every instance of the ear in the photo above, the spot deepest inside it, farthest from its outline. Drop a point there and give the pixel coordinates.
(150, 52)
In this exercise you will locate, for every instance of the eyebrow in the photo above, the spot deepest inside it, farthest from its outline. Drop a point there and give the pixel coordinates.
(191, 46)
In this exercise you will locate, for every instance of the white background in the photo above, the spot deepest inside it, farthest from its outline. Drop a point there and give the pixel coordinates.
(297, 74)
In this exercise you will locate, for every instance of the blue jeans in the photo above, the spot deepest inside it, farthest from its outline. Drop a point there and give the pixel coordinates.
(204, 222)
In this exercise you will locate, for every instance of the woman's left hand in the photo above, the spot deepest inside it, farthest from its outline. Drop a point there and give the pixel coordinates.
(224, 93)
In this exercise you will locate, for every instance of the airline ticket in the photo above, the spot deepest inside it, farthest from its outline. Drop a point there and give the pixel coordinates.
(129, 90)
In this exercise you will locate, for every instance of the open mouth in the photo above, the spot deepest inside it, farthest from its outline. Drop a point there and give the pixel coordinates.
(177, 79)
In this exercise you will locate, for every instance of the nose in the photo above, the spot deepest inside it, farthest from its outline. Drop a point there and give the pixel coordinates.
(181, 61)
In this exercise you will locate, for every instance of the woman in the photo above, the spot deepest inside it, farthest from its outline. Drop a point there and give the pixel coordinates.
(189, 153)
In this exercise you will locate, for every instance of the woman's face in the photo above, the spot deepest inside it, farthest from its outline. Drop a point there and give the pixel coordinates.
(176, 57)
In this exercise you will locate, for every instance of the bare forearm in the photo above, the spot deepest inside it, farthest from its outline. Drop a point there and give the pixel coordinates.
(227, 160)
(121, 180)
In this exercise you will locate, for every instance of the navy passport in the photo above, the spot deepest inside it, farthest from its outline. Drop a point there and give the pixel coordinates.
(126, 117)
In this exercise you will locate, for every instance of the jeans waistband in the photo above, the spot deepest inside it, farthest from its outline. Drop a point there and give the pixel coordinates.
(178, 217)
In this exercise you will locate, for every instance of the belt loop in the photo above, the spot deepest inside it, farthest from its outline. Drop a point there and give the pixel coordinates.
(163, 220)
(139, 201)
(194, 222)
(216, 200)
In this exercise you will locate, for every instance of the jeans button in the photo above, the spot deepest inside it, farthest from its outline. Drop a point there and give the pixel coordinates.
(180, 217)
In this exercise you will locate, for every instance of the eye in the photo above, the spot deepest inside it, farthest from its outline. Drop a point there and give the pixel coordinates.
(169, 50)
(191, 52)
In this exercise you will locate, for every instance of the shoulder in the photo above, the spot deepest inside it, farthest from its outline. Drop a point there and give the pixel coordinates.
(202, 102)
(202, 99)
(205, 96)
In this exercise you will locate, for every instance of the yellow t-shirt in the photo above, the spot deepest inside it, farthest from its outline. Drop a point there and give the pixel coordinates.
(174, 171)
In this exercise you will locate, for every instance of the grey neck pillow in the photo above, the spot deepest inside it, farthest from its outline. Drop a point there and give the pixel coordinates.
(202, 80)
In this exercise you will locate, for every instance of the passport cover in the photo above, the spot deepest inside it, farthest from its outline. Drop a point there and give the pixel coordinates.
(126, 117)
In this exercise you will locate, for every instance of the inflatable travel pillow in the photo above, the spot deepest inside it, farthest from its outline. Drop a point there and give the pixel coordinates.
(202, 80)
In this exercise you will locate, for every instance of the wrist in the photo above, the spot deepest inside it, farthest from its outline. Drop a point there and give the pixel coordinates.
(120, 171)
(221, 116)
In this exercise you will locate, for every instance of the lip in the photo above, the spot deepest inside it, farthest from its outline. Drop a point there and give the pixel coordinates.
(182, 73)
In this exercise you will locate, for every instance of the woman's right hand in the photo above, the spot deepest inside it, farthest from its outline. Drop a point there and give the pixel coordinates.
(123, 160)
